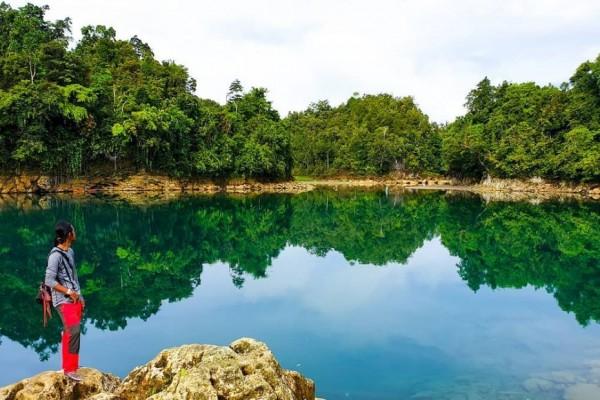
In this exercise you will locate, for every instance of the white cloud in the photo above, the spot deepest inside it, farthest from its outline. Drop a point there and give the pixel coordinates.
(303, 51)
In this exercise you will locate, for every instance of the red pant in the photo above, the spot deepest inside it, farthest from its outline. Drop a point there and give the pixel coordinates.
(71, 318)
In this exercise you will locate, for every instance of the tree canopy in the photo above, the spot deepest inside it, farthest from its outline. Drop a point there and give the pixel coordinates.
(368, 135)
(525, 130)
(107, 101)
(107, 105)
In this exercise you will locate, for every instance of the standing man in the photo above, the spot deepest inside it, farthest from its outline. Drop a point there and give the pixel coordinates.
(61, 277)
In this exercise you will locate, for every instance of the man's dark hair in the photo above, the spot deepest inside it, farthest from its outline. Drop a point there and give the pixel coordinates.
(62, 230)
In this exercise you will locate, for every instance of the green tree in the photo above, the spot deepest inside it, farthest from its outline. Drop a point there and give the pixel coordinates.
(481, 102)
(27, 38)
(524, 130)
(580, 155)
(367, 135)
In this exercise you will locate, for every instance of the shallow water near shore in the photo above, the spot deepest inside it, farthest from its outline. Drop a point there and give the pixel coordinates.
(427, 295)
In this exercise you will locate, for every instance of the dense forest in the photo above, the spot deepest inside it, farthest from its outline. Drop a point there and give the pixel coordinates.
(524, 130)
(107, 101)
(368, 135)
(107, 105)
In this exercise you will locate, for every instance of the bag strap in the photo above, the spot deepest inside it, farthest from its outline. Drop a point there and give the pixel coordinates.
(46, 309)
(65, 258)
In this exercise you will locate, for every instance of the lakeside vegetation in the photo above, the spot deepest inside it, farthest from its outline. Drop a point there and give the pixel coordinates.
(108, 104)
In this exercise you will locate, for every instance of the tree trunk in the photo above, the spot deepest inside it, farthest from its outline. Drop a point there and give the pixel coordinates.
(32, 70)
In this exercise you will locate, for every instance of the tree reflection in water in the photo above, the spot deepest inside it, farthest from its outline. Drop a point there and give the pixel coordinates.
(134, 257)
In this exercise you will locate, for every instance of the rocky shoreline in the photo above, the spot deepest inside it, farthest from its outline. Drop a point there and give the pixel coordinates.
(31, 183)
(510, 189)
(491, 188)
(244, 370)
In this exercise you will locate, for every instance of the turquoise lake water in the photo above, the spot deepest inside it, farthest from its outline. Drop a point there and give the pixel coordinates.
(399, 296)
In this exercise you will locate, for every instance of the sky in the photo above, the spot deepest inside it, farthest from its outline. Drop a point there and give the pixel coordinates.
(309, 50)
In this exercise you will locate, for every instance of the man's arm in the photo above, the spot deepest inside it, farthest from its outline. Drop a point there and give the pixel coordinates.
(52, 273)
(81, 299)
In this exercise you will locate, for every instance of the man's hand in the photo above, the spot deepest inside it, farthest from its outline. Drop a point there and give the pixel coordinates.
(82, 303)
(74, 296)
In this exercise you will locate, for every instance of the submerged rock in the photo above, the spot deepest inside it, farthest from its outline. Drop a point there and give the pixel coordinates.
(538, 384)
(583, 391)
(245, 370)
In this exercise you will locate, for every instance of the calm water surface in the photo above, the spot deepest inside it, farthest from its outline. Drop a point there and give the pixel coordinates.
(374, 296)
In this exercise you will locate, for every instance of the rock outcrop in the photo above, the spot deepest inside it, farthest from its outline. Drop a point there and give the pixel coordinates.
(537, 186)
(55, 386)
(245, 370)
(140, 182)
